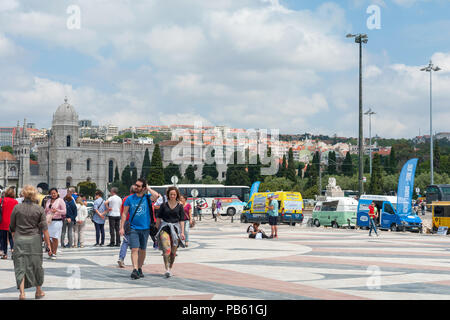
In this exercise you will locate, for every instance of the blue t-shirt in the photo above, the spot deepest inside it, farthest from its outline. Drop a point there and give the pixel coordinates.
(141, 220)
(274, 212)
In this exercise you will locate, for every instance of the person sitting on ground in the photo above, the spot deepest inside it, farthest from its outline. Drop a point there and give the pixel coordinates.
(254, 229)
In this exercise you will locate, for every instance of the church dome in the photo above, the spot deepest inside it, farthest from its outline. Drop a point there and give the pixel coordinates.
(65, 114)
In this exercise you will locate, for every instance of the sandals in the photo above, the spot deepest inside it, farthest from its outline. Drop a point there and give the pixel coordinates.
(4, 257)
(39, 296)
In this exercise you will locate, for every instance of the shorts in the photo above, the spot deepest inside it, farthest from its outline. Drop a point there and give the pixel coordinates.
(138, 239)
(273, 221)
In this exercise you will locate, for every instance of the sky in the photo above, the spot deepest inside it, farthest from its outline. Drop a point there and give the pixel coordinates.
(255, 64)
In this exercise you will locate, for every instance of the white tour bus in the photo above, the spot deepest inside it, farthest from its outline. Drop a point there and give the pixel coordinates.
(232, 198)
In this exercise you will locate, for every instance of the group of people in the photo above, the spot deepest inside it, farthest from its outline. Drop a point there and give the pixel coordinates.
(39, 219)
(256, 232)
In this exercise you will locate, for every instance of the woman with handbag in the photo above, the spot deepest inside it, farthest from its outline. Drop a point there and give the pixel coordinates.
(99, 218)
(170, 224)
(55, 211)
(188, 221)
(7, 204)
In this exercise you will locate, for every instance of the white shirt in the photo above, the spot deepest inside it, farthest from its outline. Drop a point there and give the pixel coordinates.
(82, 213)
(114, 202)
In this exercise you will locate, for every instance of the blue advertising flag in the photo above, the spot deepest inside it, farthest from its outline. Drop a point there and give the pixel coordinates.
(405, 187)
(254, 188)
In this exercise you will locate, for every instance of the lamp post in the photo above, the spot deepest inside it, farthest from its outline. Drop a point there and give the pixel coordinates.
(430, 68)
(370, 113)
(49, 133)
(360, 38)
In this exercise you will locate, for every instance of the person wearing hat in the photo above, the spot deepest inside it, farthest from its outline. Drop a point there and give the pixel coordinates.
(273, 216)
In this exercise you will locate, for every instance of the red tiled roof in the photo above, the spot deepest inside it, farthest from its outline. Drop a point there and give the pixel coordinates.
(4, 155)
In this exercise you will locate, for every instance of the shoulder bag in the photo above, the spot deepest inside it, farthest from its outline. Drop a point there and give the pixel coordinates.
(153, 229)
(127, 224)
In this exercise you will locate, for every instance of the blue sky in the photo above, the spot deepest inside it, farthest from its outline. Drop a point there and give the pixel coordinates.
(273, 64)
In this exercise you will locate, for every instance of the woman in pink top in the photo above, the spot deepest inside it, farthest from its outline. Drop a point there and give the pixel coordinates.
(187, 217)
(55, 210)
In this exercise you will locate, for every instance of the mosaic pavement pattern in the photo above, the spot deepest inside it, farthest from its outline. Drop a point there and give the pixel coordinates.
(221, 263)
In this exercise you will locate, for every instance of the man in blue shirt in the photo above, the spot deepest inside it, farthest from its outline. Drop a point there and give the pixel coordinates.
(138, 207)
(273, 216)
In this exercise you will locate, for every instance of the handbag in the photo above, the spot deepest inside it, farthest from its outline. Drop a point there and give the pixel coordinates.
(153, 228)
(127, 224)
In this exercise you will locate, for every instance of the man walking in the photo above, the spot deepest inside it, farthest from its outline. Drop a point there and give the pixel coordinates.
(113, 205)
(372, 216)
(273, 216)
(138, 207)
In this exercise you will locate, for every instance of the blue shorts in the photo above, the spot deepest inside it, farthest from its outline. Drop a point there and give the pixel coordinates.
(273, 221)
(138, 239)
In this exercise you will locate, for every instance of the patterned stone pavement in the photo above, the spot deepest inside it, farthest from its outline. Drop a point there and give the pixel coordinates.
(221, 263)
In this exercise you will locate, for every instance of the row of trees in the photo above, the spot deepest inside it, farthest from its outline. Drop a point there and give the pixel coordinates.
(292, 175)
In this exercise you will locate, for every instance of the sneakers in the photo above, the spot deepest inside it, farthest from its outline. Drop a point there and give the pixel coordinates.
(135, 274)
(121, 263)
(141, 274)
(53, 257)
(168, 274)
(111, 245)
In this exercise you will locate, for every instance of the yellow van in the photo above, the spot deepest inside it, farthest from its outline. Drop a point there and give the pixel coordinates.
(441, 214)
(290, 207)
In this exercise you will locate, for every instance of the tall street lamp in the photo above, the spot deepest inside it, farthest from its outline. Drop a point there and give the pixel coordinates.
(430, 68)
(360, 38)
(370, 113)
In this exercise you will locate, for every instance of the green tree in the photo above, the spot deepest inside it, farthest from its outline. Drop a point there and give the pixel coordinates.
(237, 173)
(126, 177)
(156, 174)
(170, 171)
(437, 156)
(393, 162)
(7, 149)
(146, 165)
(347, 165)
(290, 172)
(376, 179)
(190, 173)
(283, 168)
(332, 165)
(116, 174)
(87, 188)
(254, 170)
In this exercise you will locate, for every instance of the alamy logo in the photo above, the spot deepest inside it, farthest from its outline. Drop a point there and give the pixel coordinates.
(74, 20)
(374, 21)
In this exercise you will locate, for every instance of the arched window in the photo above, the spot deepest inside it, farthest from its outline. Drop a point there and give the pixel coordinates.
(69, 165)
(88, 165)
(110, 171)
(132, 164)
(68, 141)
(13, 172)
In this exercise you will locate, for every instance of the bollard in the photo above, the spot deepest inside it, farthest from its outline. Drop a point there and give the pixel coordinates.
(232, 218)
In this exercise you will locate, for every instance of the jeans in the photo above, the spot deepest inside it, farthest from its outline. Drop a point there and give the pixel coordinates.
(123, 248)
(4, 235)
(114, 226)
(187, 226)
(67, 227)
(99, 230)
(78, 234)
(372, 226)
